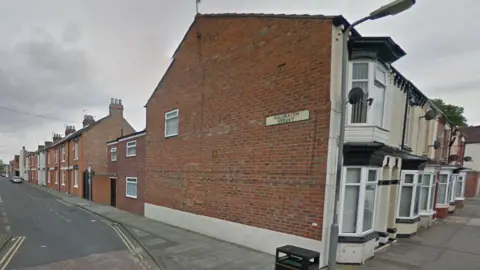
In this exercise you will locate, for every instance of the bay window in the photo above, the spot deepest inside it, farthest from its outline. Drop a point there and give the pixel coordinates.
(427, 190)
(359, 191)
(372, 79)
(460, 187)
(442, 188)
(409, 198)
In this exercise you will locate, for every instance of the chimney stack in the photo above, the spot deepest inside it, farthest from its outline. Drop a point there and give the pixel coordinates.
(40, 147)
(56, 137)
(48, 143)
(69, 130)
(88, 120)
(116, 107)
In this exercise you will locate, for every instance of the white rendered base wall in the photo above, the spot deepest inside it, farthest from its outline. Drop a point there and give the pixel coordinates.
(253, 237)
(426, 220)
(353, 253)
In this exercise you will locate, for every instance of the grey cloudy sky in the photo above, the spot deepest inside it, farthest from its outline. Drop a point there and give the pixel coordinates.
(62, 59)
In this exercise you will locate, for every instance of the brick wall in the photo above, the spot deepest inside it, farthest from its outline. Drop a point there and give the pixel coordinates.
(129, 167)
(471, 186)
(226, 163)
(101, 189)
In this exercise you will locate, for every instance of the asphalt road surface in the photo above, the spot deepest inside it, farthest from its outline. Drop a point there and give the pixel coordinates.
(39, 232)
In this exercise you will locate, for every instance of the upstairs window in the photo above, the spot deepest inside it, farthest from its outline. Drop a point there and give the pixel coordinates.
(113, 154)
(171, 123)
(75, 150)
(63, 152)
(131, 148)
(371, 77)
(360, 79)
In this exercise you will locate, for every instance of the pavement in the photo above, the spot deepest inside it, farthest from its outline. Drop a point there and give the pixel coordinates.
(38, 231)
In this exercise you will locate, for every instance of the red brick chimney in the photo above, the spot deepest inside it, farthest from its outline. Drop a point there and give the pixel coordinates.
(48, 143)
(56, 137)
(88, 120)
(116, 107)
(69, 130)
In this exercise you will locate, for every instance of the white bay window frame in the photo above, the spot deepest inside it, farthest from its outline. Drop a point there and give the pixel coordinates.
(427, 191)
(443, 183)
(460, 187)
(414, 200)
(364, 184)
(453, 184)
(376, 82)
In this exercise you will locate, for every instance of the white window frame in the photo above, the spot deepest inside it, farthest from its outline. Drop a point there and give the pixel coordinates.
(63, 152)
(361, 199)
(173, 114)
(453, 184)
(408, 124)
(131, 144)
(430, 189)
(63, 178)
(112, 151)
(443, 202)
(75, 150)
(372, 80)
(56, 177)
(55, 155)
(131, 180)
(415, 188)
(461, 179)
(48, 176)
(75, 178)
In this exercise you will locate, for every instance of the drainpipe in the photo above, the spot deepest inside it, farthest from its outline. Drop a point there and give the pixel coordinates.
(407, 98)
(68, 166)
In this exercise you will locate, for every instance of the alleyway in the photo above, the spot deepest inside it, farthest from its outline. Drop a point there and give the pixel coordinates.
(452, 244)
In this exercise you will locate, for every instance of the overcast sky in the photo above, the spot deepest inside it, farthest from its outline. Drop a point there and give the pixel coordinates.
(63, 59)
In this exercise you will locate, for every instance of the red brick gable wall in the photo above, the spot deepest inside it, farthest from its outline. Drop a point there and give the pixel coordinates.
(226, 163)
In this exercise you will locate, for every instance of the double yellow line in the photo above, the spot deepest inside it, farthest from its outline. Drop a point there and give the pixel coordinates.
(124, 239)
(5, 260)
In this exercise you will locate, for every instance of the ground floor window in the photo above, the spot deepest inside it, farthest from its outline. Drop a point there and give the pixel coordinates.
(48, 176)
(409, 197)
(359, 191)
(56, 177)
(443, 183)
(460, 187)
(63, 178)
(451, 188)
(131, 187)
(427, 191)
(75, 178)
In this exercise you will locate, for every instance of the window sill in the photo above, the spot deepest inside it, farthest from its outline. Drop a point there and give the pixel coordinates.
(441, 205)
(359, 238)
(427, 213)
(171, 136)
(63, 184)
(460, 199)
(131, 156)
(408, 220)
(75, 186)
(131, 197)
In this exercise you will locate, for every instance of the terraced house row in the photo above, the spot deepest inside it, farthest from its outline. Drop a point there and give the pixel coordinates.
(241, 137)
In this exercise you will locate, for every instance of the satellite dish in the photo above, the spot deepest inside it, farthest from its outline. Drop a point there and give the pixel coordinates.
(467, 159)
(422, 166)
(436, 144)
(431, 114)
(355, 95)
(453, 157)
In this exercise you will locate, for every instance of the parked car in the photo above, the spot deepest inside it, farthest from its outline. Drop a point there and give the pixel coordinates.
(16, 179)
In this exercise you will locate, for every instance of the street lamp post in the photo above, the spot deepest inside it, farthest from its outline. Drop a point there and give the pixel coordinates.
(393, 8)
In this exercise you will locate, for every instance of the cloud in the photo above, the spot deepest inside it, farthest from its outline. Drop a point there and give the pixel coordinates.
(72, 33)
(45, 84)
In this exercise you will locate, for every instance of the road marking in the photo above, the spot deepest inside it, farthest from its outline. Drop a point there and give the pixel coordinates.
(11, 252)
(124, 238)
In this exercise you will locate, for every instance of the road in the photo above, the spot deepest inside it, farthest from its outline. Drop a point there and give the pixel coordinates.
(46, 233)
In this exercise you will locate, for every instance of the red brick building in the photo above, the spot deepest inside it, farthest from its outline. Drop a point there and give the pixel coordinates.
(126, 165)
(79, 149)
(219, 158)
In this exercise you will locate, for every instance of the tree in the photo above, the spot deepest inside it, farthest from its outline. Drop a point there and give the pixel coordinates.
(2, 166)
(454, 113)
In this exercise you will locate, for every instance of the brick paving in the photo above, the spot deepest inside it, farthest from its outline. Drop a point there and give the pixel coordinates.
(118, 260)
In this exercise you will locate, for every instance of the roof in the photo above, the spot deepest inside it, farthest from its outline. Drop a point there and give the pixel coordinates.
(337, 20)
(73, 135)
(472, 134)
(138, 133)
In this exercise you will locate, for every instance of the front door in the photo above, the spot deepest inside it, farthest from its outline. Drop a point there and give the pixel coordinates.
(113, 192)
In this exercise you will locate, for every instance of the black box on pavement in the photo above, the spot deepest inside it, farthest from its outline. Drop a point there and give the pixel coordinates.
(296, 258)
